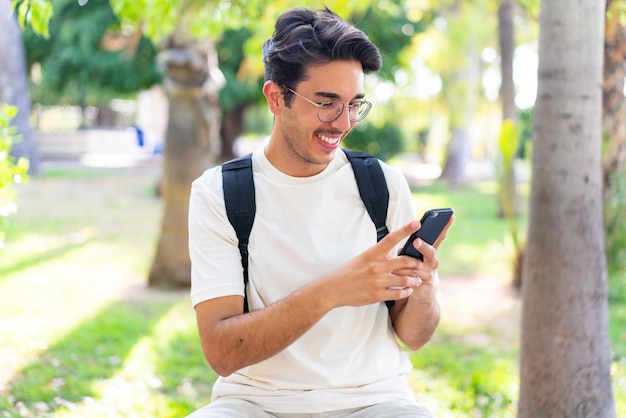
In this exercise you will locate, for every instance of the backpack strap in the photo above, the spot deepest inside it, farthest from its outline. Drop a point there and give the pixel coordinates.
(238, 185)
(370, 180)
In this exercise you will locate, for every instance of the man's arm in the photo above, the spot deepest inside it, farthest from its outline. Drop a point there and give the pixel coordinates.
(416, 318)
(232, 340)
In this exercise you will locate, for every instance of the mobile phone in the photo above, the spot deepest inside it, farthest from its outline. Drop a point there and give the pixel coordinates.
(433, 222)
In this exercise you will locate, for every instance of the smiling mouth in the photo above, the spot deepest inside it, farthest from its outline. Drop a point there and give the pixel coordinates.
(330, 140)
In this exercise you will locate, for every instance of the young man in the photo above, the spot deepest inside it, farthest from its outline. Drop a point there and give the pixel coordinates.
(318, 338)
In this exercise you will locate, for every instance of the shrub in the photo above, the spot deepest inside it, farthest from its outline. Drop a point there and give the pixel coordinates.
(11, 172)
(384, 142)
(614, 208)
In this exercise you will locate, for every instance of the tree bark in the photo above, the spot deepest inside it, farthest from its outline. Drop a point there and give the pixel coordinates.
(462, 103)
(14, 85)
(191, 146)
(459, 153)
(507, 193)
(506, 37)
(232, 127)
(565, 350)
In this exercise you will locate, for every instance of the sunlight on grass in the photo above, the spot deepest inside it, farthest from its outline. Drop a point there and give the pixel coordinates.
(140, 388)
(33, 249)
(64, 290)
(162, 372)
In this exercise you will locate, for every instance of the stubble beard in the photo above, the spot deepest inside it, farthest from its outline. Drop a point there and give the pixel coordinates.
(297, 147)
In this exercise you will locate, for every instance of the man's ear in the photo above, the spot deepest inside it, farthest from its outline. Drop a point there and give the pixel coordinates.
(274, 97)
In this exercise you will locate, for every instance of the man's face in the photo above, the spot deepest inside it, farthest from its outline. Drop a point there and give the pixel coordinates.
(308, 144)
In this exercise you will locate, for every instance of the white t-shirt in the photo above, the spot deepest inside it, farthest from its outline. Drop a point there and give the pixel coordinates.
(303, 228)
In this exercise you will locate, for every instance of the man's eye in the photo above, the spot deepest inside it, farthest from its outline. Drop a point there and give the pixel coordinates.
(328, 105)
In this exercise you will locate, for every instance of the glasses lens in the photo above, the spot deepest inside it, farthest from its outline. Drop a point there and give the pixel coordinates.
(359, 110)
(329, 111)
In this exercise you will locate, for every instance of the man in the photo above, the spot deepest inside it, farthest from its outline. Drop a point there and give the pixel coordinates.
(318, 338)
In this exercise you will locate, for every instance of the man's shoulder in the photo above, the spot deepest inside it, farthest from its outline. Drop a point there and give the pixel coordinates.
(209, 182)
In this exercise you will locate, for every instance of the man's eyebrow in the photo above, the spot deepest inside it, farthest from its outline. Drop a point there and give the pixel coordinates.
(329, 95)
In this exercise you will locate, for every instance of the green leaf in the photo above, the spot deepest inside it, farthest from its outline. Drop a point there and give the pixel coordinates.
(34, 13)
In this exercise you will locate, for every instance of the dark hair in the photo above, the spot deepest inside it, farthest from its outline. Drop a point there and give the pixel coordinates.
(304, 37)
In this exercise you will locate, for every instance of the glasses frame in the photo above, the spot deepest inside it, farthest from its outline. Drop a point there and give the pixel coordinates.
(319, 106)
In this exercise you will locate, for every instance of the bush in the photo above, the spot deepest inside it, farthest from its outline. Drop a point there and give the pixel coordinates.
(614, 208)
(10, 171)
(384, 142)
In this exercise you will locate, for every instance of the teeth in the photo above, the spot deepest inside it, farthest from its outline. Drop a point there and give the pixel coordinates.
(329, 140)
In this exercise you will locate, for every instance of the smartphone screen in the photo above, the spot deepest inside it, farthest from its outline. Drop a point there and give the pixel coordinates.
(433, 222)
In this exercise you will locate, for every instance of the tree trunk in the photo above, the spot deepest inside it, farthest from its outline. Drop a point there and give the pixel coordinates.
(462, 103)
(565, 350)
(506, 37)
(14, 85)
(507, 193)
(232, 127)
(191, 146)
(458, 155)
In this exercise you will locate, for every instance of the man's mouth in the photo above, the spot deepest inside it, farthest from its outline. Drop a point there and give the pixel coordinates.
(330, 140)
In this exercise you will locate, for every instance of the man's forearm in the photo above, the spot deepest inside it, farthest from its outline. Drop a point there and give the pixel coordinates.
(243, 340)
(416, 320)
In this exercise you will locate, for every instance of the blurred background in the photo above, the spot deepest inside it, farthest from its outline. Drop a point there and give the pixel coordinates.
(111, 108)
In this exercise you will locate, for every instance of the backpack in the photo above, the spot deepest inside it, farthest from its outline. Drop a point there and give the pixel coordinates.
(238, 185)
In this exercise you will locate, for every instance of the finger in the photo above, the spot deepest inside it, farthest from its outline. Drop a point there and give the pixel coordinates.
(428, 251)
(395, 237)
(398, 293)
(409, 271)
(423, 247)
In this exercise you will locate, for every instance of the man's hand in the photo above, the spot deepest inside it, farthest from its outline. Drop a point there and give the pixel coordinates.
(374, 275)
(426, 273)
(415, 318)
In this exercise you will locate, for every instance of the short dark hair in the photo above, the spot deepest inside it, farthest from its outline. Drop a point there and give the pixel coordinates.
(304, 37)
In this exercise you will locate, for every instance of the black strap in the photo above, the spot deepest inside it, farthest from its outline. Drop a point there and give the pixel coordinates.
(238, 185)
(372, 188)
(370, 180)
(239, 198)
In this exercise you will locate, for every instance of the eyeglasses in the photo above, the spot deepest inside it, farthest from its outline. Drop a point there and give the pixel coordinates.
(332, 109)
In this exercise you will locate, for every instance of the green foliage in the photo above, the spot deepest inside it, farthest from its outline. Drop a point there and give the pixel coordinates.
(10, 171)
(508, 145)
(196, 19)
(239, 88)
(384, 142)
(35, 14)
(531, 7)
(616, 8)
(471, 380)
(392, 28)
(525, 124)
(88, 57)
(615, 230)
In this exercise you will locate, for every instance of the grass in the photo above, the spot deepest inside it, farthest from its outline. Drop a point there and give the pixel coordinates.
(82, 335)
(477, 230)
